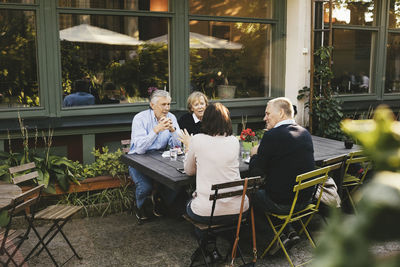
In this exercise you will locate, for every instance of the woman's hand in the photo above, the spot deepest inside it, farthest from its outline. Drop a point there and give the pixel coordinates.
(185, 137)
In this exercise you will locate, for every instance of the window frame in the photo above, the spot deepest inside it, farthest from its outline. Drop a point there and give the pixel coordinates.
(49, 58)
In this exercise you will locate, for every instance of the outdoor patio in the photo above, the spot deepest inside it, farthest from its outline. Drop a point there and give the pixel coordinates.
(117, 240)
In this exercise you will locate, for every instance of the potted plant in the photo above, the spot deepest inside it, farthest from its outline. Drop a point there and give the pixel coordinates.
(229, 64)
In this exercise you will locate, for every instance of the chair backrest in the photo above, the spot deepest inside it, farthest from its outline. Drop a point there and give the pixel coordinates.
(308, 180)
(126, 143)
(25, 200)
(357, 157)
(253, 183)
(335, 162)
(19, 173)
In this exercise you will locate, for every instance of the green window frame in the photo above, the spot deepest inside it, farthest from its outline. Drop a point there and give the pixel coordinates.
(378, 54)
(49, 58)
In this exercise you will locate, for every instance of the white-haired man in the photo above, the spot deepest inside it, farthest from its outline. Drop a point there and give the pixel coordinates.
(152, 129)
(285, 151)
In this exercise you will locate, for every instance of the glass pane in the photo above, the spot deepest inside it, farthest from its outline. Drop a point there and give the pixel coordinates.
(230, 60)
(148, 5)
(392, 82)
(352, 61)
(18, 1)
(119, 61)
(19, 85)
(352, 12)
(394, 14)
(235, 8)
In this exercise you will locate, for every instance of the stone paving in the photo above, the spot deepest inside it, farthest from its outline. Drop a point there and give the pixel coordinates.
(117, 240)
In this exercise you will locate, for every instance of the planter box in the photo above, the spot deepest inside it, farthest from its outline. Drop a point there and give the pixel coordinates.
(89, 184)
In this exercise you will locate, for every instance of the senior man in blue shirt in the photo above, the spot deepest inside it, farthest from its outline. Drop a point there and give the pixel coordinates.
(152, 129)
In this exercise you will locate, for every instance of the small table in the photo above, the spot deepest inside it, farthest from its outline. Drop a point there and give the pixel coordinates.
(7, 193)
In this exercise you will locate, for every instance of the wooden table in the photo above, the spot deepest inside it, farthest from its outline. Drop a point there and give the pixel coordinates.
(325, 148)
(165, 170)
(7, 193)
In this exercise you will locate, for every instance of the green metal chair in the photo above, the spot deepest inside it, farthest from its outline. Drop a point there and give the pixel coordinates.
(303, 181)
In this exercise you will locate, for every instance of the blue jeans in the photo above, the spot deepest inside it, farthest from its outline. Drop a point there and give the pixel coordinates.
(144, 188)
(143, 184)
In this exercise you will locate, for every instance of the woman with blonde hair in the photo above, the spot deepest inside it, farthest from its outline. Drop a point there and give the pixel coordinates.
(196, 105)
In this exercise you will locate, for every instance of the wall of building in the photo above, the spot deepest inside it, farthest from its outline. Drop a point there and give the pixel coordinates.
(297, 74)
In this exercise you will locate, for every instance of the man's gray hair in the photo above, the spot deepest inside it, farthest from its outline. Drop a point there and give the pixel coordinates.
(157, 94)
(285, 104)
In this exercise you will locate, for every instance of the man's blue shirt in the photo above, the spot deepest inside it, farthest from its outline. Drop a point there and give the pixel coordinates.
(143, 137)
(78, 99)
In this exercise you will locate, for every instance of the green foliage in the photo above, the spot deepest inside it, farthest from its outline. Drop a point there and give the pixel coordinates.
(380, 138)
(107, 163)
(18, 63)
(104, 202)
(326, 109)
(347, 241)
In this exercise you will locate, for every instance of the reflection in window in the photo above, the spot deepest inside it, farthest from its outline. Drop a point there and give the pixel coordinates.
(394, 14)
(351, 61)
(18, 1)
(116, 55)
(19, 85)
(392, 82)
(148, 5)
(352, 12)
(234, 8)
(230, 60)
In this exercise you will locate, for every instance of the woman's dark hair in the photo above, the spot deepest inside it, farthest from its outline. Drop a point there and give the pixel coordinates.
(216, 120)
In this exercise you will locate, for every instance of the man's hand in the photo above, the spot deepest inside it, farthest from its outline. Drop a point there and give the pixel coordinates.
(163, 124)
(254, 150)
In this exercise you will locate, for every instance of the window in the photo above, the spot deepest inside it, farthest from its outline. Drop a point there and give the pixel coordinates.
(392, 82)
(354, 39)
(79, 58)
(19, 83)
(112, 59)
(230, 59)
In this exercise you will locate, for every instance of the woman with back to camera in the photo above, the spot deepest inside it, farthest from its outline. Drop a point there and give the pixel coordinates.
(213, 156)
(191, 121)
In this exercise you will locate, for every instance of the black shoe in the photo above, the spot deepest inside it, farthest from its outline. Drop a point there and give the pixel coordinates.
(158, 209)
(276, 247)
(148, 207)
(294, 238)
(139, 214)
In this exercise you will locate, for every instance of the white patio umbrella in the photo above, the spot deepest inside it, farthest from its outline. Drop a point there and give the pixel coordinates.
(86, 33)
(200, 41)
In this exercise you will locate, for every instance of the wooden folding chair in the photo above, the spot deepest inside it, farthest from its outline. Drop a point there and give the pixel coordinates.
(304, 181)
(352, 181)
(11, 240)
(59, 215)
(213, 230)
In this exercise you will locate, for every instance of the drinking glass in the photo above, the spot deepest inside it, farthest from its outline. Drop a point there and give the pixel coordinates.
(173, 153)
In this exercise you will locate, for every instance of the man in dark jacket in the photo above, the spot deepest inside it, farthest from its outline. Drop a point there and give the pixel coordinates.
(285, 151)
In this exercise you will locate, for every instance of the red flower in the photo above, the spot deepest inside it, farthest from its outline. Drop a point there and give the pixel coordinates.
(247, 135)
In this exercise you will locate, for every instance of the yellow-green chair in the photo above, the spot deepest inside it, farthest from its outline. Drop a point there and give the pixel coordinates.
(303, 181)
(352, 182)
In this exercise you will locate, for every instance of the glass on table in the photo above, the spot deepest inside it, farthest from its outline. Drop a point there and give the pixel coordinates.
(173, 153)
